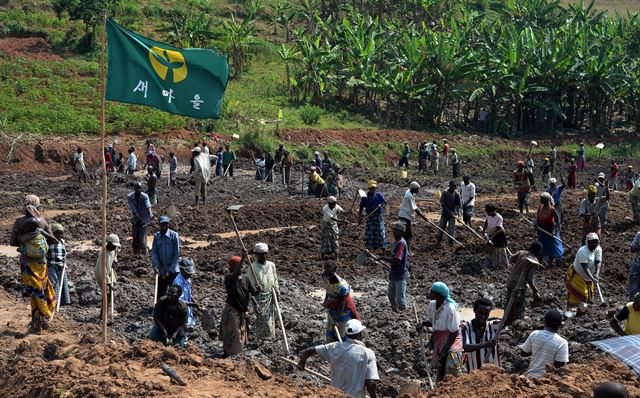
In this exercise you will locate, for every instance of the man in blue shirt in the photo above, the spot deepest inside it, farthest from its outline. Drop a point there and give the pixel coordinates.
(141, 214)
(183, 279)
(165, 254)
(399, 270)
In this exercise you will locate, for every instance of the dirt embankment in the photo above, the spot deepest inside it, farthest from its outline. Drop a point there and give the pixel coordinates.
(68, 361)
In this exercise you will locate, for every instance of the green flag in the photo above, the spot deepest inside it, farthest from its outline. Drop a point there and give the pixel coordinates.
(188, 82)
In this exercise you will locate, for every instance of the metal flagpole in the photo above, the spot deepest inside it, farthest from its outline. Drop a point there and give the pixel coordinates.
(103, 209)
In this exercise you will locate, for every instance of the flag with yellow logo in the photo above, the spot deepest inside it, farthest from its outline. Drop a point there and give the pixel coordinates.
(189, 82)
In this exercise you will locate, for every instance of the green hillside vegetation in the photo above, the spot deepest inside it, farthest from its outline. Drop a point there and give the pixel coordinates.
(529, 65)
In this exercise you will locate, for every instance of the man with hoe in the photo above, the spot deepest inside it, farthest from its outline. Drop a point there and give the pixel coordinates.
(140, 207)
(353, 365)
(451, 205)
(408, 209)
(165, 254)
(267, 283)
(522, 185)
(399, 270)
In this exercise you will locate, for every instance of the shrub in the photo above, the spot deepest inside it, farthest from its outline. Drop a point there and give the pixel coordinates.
(310, 114)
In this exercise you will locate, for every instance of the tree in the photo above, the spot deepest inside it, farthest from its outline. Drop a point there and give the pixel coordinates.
(90, 12)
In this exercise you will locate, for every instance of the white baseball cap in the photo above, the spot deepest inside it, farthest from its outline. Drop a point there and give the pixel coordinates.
(414, 184)
(353, 326)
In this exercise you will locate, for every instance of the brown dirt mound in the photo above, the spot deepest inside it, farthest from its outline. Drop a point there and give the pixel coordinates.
(572, 381)
(28, 47)
(66, 361)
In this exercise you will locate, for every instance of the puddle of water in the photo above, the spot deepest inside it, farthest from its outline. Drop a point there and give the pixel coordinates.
(320, 293)
(467, 314)
(9, 251)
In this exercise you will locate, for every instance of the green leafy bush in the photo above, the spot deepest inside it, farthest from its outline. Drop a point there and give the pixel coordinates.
(310, 114)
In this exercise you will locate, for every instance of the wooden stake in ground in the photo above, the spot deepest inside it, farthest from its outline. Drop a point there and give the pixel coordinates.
(103, 207)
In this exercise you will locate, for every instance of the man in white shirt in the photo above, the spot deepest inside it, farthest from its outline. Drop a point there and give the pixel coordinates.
(468, 196)
(330, 240)
(546, 347)
(408, 208)
(353, 365)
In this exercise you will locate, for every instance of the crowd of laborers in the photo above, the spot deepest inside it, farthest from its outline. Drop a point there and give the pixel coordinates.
(456, 346)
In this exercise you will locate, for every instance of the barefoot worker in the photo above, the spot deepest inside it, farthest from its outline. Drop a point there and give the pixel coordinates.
(548, 220)
(170, 319)
(585, 271)
(201, 173)
(28, 234)
(56, 258)
(451, 209)
(165, 254)
(353, 366)
(590, 210)
(494, 231)
(444, 317)
(338, 302)
(234, 328)
(522, 185)
(113, 248)
(267, 276)
(546, 347)
(330, 239)
(527, 262)
(141, 215)
(399, 270)
(408, 208)
(375, 236)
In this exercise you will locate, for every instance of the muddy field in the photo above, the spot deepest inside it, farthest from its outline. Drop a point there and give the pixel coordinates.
(288, 221)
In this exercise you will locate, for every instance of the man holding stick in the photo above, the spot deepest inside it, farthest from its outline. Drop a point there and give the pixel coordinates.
(353, 365)
(590, 209)
(451, 204)
(399, 271)
(526, 262)
(165, 254)
(140, 207)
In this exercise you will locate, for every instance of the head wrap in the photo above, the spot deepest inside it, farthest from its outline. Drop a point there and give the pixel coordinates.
(332, 199)
(234, 262)
(443, 290)
(592, 236)
(601, 175)
(261, 248)
(546, 158)
(552, 180)
(31, 203)
(519, 163)
(372, 184)
(55, 227)
(592, 189)
(548, 196)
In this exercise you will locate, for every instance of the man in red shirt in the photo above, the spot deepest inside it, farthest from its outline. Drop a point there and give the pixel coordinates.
(613, 176)
(522, 185)
(445, 153)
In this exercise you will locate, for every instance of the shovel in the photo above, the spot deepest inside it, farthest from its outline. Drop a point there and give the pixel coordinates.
(364, 220)
(443, 231)
(533, 143)
(365, 255)
(64, 267)
(230, 210)
(597, 282)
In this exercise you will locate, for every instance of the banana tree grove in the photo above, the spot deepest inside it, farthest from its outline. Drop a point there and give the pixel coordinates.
(531, 65)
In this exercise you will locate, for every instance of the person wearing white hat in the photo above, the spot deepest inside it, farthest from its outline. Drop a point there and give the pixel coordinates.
(201, 173)
(267, 284)
(602, 185)
(408, 208)
(353, 366)
(330, 240)
(585, 272)
(113, 248)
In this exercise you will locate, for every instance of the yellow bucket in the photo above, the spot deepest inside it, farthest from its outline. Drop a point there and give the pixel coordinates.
(403, 174)
(438, 195)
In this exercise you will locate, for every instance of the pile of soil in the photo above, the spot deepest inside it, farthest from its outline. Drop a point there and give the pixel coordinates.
(68, 361)
(295, 252)
(575, 380)
(35, 48)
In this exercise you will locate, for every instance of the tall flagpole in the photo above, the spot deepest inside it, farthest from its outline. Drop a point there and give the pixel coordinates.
(103, 209)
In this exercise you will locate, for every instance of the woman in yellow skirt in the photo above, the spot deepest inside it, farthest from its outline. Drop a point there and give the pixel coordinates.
(584, 272)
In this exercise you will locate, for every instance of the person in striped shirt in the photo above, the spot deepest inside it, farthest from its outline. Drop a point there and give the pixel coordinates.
(479, 336)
